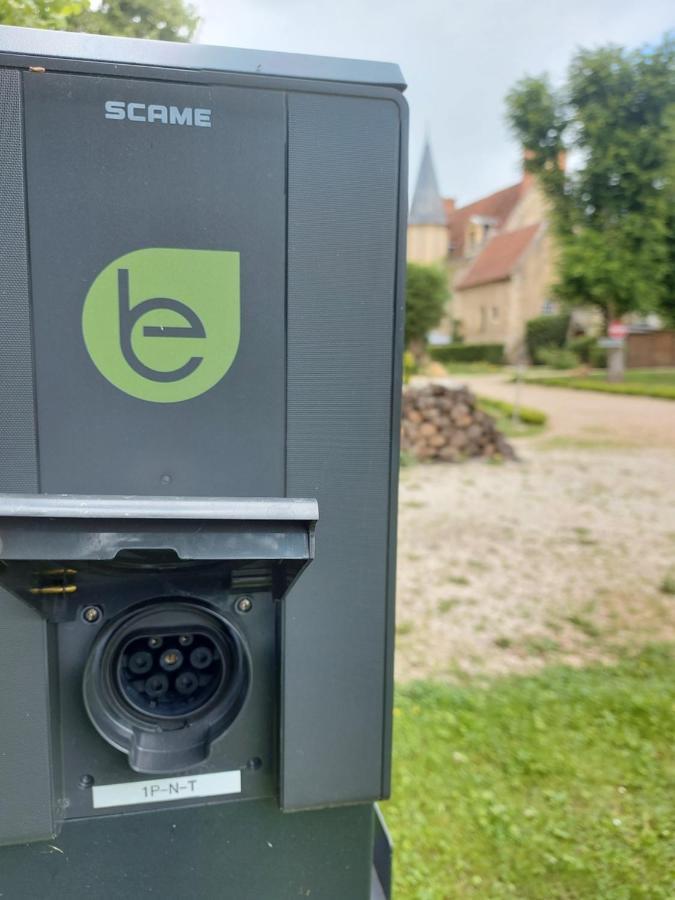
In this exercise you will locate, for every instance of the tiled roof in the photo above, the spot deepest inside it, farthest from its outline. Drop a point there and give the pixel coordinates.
(498, 258)
(497, 206)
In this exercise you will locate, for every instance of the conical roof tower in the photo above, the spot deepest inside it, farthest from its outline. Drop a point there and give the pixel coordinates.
(427, 204)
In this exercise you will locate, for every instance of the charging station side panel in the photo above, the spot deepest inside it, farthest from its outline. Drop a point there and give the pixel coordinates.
(26, 785)
(18, 451)
(343, 237)
(27, 763)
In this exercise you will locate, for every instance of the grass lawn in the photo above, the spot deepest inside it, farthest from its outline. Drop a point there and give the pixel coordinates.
(645, 382)
(558, 786)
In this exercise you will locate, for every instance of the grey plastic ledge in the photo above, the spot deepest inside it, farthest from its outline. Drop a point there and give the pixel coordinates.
(74, 506)
(201, 57)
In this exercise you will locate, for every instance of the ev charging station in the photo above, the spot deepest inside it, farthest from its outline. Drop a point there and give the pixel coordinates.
(201, 316)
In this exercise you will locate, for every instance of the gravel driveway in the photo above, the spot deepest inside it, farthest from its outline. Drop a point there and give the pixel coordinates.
(559, 558)
(587, 415)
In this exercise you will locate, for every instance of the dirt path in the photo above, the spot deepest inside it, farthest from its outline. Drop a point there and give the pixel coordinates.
(589, 416)
(561, 557)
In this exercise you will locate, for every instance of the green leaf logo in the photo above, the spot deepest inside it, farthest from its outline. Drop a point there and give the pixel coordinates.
(163, 324)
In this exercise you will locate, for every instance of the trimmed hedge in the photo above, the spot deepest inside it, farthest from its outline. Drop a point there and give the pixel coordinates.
(527, 414)
(557, 357)
(546, 331)
(661, 392)
(454, 353)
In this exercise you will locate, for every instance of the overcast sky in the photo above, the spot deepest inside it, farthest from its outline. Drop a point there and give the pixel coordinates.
(459, 59)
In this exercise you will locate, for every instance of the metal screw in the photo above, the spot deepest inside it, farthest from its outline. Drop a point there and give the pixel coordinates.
(244, 604)
(86, 781)
(91, 614)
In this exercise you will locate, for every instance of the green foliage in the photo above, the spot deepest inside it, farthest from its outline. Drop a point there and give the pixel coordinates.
(614, 214)
(425, 297)
(638, 382)
(527, 423)
(598, 357)
(409, 366)
(406, 460)
(457, 353)
(552, 787)
(589, 351)
(526, 414)
(557, 357)
(583, 346)
(39, 13)
(472, 368)
(546, 331)
(164, 20)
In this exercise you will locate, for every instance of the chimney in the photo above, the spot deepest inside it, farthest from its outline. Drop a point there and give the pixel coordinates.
(528, 177)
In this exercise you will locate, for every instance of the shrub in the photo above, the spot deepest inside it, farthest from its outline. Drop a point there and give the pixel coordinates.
(598, 357)
(589, 351)
(526, 414)
(583, 346)
(546, 331)
(425, 298)
(409, 366)
(557, 357)
(453, 353)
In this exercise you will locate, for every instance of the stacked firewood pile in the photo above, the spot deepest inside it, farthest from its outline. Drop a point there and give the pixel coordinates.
(444, 423)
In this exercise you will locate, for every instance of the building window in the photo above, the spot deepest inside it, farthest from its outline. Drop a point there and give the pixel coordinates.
(495, 313)
(483, 319)
(549, 308)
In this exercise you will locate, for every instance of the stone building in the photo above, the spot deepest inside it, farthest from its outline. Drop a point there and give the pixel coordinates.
(499, 255)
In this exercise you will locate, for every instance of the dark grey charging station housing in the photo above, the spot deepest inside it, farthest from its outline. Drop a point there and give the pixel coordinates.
(201, 277)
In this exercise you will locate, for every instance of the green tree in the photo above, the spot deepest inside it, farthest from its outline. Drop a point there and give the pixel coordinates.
(38, 13)
(614, 211)
(668, 305)
(165, 20)
(426, 295)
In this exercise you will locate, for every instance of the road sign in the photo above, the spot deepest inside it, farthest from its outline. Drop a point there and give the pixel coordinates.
(617, 330)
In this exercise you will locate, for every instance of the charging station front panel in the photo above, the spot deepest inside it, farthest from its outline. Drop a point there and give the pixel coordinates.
(154, 198)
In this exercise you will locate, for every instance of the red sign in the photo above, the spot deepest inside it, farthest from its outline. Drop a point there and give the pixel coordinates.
(617, 331)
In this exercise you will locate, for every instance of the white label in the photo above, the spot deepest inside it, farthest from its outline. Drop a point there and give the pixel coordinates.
(162, 790)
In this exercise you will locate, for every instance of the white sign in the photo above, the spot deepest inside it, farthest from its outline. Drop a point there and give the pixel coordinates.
(161, 790)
